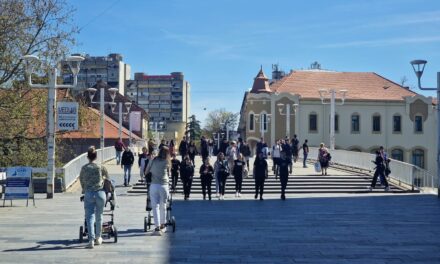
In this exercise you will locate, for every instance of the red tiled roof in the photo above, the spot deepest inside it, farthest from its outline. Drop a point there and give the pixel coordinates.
(359, 85)
(261, 83)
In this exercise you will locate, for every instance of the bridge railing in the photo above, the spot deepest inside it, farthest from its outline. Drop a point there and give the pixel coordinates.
(401, 172)
(73, 167)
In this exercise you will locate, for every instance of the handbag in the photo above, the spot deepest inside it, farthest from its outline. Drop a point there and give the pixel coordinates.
(245, 173)
(317, 166)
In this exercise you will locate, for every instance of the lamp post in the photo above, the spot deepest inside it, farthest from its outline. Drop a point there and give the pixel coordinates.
(121, 114)
(419, 67)
(263, 121)
(332, 104)
(287, 114)
(102, 103)
(74, 65)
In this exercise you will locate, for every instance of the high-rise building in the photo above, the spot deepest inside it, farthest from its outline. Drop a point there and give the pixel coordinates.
(110, 69)
(166, 100)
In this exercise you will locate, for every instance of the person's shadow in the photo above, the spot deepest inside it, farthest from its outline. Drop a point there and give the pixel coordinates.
(52, 245)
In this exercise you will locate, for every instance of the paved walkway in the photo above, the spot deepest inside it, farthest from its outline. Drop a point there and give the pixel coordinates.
(355, 228)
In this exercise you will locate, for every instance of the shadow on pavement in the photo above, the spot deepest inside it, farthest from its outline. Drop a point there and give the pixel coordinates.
(51, 245)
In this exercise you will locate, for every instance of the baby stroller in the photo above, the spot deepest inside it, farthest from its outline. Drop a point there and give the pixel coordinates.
(109, 230)
(171, 221)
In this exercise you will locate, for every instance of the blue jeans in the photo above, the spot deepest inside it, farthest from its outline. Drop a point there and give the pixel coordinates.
(118, 157)
(127, 173)
(305, 159)
(94, 202)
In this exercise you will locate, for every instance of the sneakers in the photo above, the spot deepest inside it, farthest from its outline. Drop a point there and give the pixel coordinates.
(370, 188)
(222, 197)
(91, 244)
(217, 195)
(157, 232)
(98, 241)
(236, 194)
(239, 194)
(387, 188)
(283, 197)
(256, 196)
(261, 198)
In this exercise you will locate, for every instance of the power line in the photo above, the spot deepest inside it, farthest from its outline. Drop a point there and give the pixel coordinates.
(98, 15)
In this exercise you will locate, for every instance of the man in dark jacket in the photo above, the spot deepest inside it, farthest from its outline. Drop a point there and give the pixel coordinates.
(204, 149)
(119, 147)
(183, 147)
(127, 162)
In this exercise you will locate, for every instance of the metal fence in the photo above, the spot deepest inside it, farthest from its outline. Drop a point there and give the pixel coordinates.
(401, 172)
(73, 168)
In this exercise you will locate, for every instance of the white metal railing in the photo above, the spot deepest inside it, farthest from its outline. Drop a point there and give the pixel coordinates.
(73, 167)
(401, 172)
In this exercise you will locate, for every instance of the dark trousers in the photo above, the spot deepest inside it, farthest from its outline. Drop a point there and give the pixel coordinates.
(259, 185)
(187, 182)
(238, 182)
(192, 158)
(383, 179)
(284, 178)
(206, 186)
(175, 179)
(222, 182)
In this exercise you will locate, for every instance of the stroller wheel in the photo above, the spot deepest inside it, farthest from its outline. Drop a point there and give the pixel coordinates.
(115, 234)
(173, 223)
(145, 224)
(81, 234)
(149, 222)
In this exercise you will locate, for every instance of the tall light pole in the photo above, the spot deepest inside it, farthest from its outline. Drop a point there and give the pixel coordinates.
(74, 64)
(121, 114)
(263, 122)
(419, 67)
(287, 114)
(332, 104)
(102, 103)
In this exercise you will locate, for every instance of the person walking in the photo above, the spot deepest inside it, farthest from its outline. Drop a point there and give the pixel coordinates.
(142, 162)
(119, 147)
(287, 150)
(175, 168)
(192, 152)
(211, 147)
(186, 176)
(172, 147)
(246, 152)
(91, 178)
(160, 172)
(204, 149)
(239, 167)
(305, 148)
(206, 174)
(260, 174)
(183, 148)
(276, 154)
(151, 146)
(222, 172)
(295, 148)
(284, 166)
(379, 172)
(261, 145)
(323, 158)
(126, 163)
(231, 155)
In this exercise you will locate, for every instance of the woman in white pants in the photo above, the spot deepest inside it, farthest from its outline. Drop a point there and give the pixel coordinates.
(160, 172)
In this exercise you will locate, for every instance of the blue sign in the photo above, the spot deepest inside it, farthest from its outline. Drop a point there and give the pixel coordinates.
(18, 181)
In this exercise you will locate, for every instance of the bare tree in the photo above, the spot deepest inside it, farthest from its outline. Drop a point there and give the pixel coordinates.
(41, 27)
(216, 118)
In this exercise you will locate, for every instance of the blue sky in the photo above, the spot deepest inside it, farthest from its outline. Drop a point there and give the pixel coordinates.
(220, 45)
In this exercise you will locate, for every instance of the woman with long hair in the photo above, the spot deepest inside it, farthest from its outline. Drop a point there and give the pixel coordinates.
(239, 166)
(91, 178)
(222, 172)
(206, 175)
(186, 175)
(160, 172)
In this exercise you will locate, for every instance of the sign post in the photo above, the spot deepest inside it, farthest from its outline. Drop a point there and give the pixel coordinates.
(67, 116)
(19, 184)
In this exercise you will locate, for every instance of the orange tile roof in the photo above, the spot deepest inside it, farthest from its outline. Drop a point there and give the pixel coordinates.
(360, 85)
(261, 83)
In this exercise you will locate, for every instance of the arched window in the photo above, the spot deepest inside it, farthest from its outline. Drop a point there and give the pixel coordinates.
(418, 158)
(376, 123)
(355, 123)
(397, 154)
(251, 121)
(263, 121)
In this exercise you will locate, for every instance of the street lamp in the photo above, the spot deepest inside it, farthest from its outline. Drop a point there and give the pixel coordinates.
(419, 67)
(332, 104)
(74, 63)
(121, 115)
(264, 122)
(287, 114)
(92, 92)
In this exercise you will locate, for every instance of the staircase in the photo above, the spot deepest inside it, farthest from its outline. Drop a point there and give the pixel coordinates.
(303, 181)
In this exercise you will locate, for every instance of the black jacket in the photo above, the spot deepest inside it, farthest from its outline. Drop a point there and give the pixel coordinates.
(127, 158)
(175, 166)
(209, 174)
(186, 171)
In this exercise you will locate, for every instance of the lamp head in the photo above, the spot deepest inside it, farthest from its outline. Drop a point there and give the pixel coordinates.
(418, 67)
(112, 106)
(29, 61)
(92, 92)
(113, 92)
(128, 106)
(295, 107)
(74, 63)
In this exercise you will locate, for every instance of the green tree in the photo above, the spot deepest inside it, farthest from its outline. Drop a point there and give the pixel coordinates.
(217, 119)
(193, 128)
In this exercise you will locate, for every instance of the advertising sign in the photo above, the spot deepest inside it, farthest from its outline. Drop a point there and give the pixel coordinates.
(135, 121)
(67, 116)
(18, 182)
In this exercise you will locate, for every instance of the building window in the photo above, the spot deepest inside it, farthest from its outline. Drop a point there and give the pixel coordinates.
(376, 124)
(313, 122)
(263, 122)
(418, 124)
(397, 154)
(251, 122)
(397, 124)
(355, 123)
(336, 123)
(418, 158)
